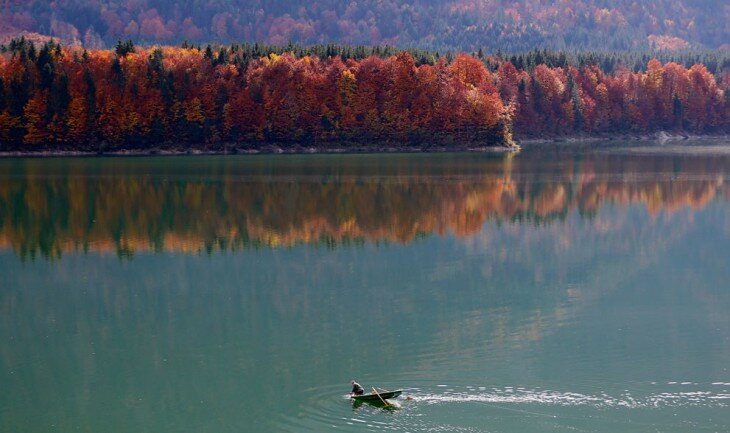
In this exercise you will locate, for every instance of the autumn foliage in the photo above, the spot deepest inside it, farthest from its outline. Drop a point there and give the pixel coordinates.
(509, 25)
(69, 98)
(565, 101)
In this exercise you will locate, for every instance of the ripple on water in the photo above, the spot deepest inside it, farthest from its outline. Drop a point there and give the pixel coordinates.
(336, 412)
(329, 409)
(519, 396)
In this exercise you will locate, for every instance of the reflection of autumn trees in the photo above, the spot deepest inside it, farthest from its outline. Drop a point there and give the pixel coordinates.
(240, 204)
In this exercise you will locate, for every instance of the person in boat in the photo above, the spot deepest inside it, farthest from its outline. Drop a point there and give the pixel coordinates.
(357, 389)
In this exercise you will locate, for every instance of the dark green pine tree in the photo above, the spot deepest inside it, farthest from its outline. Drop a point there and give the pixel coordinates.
(124, 48)
(222, 58)
(90, 101)
(577, 104)
(46, 66)
(118, 74)
(2, 94)
(61, 96)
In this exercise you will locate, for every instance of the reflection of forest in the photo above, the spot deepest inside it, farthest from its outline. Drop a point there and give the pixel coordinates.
(47, 207)
(275, 321)
(95, 334)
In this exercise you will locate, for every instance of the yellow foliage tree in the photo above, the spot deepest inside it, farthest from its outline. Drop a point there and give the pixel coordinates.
(35, 122)
(77, 122)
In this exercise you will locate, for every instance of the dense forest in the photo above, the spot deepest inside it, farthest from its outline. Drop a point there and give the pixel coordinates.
(244, 96)
(444, 25)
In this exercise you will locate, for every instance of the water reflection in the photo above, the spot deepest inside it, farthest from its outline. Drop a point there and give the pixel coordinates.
(268, 339)
(199, 204)
(587, 288)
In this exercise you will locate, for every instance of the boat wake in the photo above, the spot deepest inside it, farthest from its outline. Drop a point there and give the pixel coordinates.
(445, 408)
(688, 396)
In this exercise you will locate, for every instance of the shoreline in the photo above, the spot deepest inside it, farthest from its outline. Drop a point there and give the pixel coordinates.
(274, 149)
(660, 137)
(268, 149)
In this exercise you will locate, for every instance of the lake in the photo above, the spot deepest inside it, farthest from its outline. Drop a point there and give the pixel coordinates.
(568, 287)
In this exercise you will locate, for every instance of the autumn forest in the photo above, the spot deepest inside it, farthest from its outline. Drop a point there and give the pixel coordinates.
(244, 96)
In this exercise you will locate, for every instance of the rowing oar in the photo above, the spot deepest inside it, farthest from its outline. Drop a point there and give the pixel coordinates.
(381, 398)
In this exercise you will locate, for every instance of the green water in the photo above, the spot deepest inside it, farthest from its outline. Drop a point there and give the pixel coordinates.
(567, 288)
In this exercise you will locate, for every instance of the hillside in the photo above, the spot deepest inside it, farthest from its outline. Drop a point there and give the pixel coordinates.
(430, 24)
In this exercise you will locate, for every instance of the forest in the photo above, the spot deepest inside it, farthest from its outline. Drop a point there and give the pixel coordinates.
(509, 25)
(246, 96)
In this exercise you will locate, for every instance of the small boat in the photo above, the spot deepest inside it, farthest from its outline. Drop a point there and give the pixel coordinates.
(374, 397)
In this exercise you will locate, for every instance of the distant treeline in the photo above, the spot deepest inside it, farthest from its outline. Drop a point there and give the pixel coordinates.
(510, 25)
(248, 95)
(716, 61)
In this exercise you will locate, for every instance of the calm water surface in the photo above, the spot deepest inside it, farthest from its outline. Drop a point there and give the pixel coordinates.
(561, 289)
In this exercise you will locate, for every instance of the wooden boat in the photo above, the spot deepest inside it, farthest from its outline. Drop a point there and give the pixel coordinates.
(374, 397)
